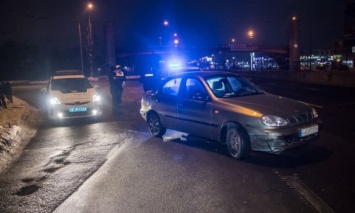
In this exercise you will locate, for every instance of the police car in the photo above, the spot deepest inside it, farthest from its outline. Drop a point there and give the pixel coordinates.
(71, 95)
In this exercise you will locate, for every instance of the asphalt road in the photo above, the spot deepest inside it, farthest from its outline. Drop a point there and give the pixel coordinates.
(116, 166)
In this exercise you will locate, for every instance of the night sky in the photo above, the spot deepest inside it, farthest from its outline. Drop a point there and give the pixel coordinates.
(53, 23)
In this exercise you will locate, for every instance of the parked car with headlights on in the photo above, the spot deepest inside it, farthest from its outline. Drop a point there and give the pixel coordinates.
(69, 94)
(228, 108)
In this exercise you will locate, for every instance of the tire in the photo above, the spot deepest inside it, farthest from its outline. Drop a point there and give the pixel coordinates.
(237, 142)
(155, 126)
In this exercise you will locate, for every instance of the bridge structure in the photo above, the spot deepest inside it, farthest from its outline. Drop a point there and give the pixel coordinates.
(243, 56)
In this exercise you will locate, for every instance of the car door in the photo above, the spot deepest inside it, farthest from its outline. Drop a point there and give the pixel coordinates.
(194, 109)
(166, 101)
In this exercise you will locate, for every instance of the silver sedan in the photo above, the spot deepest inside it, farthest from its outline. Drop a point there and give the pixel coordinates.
(228, 108)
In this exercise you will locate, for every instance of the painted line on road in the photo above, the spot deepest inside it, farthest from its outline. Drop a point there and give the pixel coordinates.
(308, 194)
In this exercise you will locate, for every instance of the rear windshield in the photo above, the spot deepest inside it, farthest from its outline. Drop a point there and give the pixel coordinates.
(69, 85)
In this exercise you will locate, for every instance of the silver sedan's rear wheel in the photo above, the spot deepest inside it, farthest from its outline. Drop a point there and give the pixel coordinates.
(155, 126)
(237, 142)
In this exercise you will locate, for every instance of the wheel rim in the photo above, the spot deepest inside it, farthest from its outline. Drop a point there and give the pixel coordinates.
(234, 144)
(154, 124)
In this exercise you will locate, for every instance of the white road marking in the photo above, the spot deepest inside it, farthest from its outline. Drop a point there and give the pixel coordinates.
(310, 196)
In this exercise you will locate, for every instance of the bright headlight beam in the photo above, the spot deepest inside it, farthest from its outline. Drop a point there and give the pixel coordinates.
(54, 100)
(96, 98)
(273, 120)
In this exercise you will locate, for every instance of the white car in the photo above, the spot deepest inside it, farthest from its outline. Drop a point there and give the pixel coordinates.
(71, 95)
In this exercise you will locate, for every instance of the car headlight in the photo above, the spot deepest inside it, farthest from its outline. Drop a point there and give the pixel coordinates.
(314, 113)
(96, 98)
(54, 100)
(273, 120)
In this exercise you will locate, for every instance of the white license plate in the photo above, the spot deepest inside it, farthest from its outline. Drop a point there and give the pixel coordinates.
(78, 109)
(308, 131)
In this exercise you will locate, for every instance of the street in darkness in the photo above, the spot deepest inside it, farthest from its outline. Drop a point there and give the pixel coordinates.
(117, 166)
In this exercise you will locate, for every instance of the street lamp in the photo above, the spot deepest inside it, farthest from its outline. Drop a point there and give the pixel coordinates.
(250, 33)
(88, 7)
(252, 54)
(91, 45)
(165, 22)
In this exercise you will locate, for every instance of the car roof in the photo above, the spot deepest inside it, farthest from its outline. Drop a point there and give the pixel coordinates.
(67, 76)
(67, 72)
(61, 74)
(202, 73)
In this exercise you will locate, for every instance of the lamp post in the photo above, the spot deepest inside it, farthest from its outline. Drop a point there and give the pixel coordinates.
(88, 6)
(294, 52)
(81, 48)
(163, 32)
(91, 48)
(252, 54)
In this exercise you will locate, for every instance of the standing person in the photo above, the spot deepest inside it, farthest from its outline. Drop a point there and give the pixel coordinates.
(117, 79)
(8, 91)
(2, 95)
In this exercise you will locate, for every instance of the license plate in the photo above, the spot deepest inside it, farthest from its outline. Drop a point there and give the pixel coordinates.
(308, 131)
(78, 109)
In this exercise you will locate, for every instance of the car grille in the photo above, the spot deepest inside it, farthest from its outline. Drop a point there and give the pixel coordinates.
(77, 103)
(300, 118)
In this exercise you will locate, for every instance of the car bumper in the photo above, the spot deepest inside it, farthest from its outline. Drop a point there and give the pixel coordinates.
(62, 111)
(277, 141)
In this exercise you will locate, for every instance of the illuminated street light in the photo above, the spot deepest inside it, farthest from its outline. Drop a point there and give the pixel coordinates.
(251, 34)
(233, 40)
(165, 22)
(91, 44)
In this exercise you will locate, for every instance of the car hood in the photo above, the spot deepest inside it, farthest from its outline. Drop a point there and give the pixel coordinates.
(266, 104)
(75, 97)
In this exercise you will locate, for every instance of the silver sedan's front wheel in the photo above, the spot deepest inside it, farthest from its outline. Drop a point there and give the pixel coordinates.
(155, 126)
(237, 142)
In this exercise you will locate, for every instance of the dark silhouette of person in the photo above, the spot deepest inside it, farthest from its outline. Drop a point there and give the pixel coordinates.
(8, 91)
(117, 80)
(2, 95)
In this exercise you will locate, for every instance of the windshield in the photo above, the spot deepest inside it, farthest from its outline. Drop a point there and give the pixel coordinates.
(225, 86)
(68, 85)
